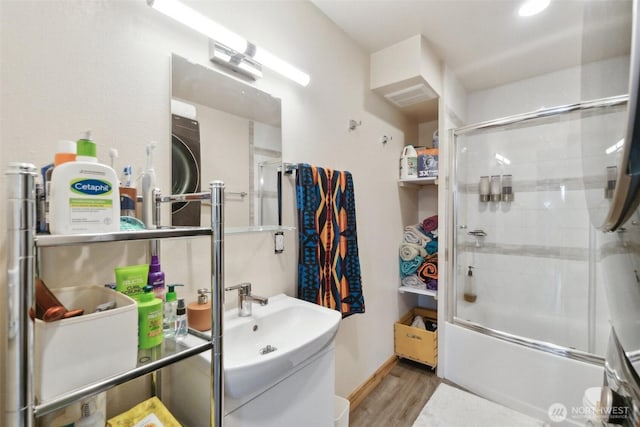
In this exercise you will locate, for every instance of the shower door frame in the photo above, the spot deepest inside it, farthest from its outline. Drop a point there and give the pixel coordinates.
(549, 115)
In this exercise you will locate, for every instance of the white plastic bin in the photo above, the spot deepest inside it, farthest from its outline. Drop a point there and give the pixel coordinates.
(71, 353)
(591, 405)
(72, 413)
(340, 412)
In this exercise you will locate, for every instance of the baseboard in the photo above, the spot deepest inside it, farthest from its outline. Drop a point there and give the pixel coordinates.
(359, 394)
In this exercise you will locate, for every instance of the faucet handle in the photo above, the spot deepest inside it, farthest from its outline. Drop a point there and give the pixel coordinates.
(244, 288)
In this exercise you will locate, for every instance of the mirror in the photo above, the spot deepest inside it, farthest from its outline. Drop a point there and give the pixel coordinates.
(224, 129)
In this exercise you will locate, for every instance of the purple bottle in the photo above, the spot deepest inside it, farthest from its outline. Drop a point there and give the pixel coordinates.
(156, 277)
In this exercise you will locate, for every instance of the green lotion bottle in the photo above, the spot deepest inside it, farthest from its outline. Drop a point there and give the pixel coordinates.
(149, 319)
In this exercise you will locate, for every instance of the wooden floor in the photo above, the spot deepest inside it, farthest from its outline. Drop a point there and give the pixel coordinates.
(398, 399)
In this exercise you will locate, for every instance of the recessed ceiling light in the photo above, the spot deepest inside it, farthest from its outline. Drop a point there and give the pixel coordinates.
(533, 7)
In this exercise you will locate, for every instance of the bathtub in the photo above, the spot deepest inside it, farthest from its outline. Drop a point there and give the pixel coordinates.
(525, 379)
(535, 324)
(541, 312)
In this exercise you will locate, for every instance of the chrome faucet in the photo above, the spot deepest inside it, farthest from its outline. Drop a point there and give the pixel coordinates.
(245, 298)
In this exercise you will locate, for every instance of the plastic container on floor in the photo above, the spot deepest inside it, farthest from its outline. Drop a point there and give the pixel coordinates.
(591, 405)
(340, 412)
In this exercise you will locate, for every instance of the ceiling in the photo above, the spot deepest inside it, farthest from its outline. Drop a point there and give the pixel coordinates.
(484, 42)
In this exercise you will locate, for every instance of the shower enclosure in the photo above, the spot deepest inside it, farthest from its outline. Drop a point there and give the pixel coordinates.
(529, 244)
(521, 227)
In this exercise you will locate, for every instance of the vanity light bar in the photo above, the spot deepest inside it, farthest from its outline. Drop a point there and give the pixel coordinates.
(238, 62)
(281, 67)
(198, 22)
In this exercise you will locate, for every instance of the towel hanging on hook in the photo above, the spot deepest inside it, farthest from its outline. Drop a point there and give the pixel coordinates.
(328, 261)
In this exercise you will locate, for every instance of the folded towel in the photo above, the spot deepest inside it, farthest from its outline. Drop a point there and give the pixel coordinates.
(418, 322)
(408, 268)
(430, 224)
(432, 257)
(433, 234)
(413, 234)
(432, 284)
(432, 247)
(409, 251)
(413, 281)
(428, 270)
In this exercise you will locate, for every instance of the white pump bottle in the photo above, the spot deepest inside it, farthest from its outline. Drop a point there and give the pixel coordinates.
(84, 194)
(147, 185)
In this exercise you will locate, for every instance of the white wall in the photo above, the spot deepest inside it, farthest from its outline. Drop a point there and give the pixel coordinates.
(425, 133)
(548, 90)
(68, 66)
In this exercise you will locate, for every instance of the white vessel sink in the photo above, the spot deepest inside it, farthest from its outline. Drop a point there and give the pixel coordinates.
(261, 349)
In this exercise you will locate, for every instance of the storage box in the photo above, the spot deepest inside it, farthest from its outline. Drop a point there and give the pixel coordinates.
(150, 412)
(417, 344)
(71, 353)
(427, 162)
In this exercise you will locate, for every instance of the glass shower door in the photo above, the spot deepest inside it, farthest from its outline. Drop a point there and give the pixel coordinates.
(525, 263)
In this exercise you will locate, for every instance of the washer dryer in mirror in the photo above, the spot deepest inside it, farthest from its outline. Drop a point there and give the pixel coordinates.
(185, 169)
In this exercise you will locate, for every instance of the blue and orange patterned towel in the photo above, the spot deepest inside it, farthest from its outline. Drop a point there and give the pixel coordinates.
(328, 261)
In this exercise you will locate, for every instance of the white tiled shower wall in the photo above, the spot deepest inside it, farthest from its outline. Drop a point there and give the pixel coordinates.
(532, 268)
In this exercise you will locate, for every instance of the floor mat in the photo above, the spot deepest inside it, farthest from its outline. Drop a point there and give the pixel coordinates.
(452, 407)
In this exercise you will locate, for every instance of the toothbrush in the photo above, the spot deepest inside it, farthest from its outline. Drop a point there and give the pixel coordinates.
(113, 155)
(148, 184)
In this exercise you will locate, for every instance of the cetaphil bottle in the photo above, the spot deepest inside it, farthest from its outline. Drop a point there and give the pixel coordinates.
(84, 194)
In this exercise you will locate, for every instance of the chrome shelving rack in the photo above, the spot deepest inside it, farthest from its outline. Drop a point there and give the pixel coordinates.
(20, 406)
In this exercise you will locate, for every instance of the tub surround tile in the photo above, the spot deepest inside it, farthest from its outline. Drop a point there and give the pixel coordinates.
(615, 246)
(535, 251)
(545, 184)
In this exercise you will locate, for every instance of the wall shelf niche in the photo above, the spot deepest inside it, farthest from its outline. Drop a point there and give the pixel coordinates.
(417, 183)
(410, 290)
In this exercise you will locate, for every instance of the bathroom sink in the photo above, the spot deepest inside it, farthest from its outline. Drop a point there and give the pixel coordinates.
(261, 349)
